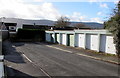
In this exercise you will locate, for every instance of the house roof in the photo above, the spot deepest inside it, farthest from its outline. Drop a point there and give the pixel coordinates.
(50, 23)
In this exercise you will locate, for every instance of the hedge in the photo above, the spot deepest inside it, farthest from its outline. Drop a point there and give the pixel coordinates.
(35, 34)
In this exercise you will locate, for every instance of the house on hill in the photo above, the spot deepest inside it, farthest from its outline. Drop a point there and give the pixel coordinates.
(13, 24)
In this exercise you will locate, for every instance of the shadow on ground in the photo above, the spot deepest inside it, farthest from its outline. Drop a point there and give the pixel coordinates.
(13, 73)
(11, 54)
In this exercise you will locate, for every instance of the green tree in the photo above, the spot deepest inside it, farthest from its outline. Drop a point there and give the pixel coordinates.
(113, 25)
(62, 22)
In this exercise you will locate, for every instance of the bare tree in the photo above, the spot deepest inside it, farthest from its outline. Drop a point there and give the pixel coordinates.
(80, 25)
(62, 22)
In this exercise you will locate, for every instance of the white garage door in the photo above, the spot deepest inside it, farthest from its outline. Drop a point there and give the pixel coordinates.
(64, 39)
(81, 40)
(110, 46)
(71, 40)
(103, 43)
(48, 38)
(92, 42)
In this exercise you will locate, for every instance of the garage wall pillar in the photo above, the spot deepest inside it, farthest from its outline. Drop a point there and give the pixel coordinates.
(59, 38)
(98, 43)
(66, 39)
(54, 38)
(75, 40)
(85, 40)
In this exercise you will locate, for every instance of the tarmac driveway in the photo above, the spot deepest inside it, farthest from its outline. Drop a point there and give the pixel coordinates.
(41, 60)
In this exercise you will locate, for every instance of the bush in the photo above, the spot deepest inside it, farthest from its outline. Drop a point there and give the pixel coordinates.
(35, 34)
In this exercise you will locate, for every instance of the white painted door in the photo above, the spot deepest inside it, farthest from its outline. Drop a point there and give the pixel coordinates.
(110, 46)
(64, 39)
(81, 40)
(48, 38)
(102, 43)
(94, 42)
(71, 40)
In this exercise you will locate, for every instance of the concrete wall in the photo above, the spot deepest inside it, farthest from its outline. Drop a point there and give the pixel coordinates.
(0, 43)
(1, 70)
(3, 36)
(1, 58)
(98, 40)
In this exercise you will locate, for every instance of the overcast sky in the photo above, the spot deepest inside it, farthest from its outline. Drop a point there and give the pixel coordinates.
(76, 10)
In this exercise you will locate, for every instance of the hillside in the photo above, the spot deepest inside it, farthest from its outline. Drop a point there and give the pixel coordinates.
(90, 24)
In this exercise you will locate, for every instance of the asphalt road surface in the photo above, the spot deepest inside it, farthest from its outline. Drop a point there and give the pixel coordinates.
(40, 59)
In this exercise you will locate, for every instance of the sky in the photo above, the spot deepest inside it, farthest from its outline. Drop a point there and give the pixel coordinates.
(76, 10)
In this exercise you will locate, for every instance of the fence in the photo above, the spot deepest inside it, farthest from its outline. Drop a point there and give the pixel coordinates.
(98, 40)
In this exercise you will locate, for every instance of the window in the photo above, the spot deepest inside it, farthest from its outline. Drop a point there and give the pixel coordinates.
(12, 28)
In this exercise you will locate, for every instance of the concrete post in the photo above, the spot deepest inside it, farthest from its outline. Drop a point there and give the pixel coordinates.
(54, 40)
(59, 38)
(98, 49)
(75, 40)
(66, 39)
(85, 40)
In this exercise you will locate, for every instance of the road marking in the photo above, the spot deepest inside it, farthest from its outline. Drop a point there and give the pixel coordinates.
(36, 66)
(87, 56)
(27, 58)
(42, 70)
(13, 46)
(110, 61)
(10, 66)
(59, 49)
